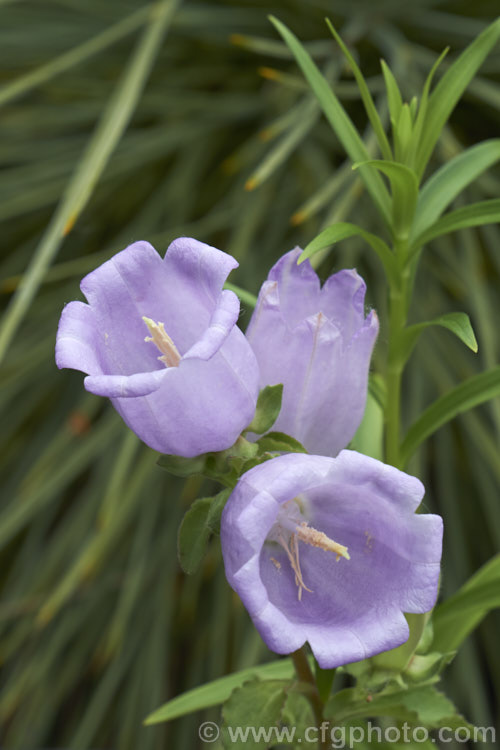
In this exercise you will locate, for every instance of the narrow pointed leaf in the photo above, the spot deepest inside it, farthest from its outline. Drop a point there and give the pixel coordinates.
(449, 181)
(393, 94)
(485, 212)
(451, 87)
(342, 231)
(457, 322)
(338, 119)
(474, 391)
(366, 97)
(422, 110)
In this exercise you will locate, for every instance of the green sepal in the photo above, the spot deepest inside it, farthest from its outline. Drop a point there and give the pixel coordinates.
(398, 658)
(267, 410)
(278, 442)
(424, 668)
(200, 522)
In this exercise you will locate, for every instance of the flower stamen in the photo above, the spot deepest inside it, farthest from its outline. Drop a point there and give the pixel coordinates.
(292, 551)
(170, 354)
(288, 533)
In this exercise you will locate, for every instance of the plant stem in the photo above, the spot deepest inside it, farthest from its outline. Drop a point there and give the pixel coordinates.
(304, 673)
(398, 311)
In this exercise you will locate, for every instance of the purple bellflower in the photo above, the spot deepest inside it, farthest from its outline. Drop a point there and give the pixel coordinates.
(330, 551)
(318, 343)
(159, 338)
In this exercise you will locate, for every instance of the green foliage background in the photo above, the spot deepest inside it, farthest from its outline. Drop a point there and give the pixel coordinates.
(98, 626)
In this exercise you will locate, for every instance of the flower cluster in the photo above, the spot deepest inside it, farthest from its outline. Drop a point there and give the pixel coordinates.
(323, 547)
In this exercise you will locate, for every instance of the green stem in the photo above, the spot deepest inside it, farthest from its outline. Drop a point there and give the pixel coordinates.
(304, 673)
(398, 311)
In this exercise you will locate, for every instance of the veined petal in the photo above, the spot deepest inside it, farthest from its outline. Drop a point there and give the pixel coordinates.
(222, 323)
(343, 301)
(298, 287)
(199, 264)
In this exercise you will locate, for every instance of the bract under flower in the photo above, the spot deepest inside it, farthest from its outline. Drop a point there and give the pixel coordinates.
(318, 343)
(346, 598)
(190, 386)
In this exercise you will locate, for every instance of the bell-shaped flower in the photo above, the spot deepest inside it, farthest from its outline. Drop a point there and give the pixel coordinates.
(159, 338)
(330, 551)
(318, 343)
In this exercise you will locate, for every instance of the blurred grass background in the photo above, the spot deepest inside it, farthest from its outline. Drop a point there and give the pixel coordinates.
(122, 121)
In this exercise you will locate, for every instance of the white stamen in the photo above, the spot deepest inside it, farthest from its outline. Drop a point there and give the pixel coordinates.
(170, 354)
(300, 530)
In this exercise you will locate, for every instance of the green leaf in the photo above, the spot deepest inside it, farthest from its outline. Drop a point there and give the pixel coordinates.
(449, 181)
(278, 442)
(267, 410)
(404, 187)
(474, 391)
(199, 523)
(457, 617)
(255, 704)
(423, 706)
(216, 692)
(451, 87)
(341, 231)
(422, 110)
(394, 99)
(194, 535)
(457, 322)
(182, 467)
(298, 716)
(403, 132)
(485, 212)
(366, 97)
(338, 119)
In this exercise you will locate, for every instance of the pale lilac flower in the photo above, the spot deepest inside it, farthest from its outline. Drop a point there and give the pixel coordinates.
(330, 551)
(318, 343)
(191, 385)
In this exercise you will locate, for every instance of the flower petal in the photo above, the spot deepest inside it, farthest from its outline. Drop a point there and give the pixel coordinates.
(222, 323)
(190, 261)
(343, 301)
(77, 339)
(201, 405)
(299, 287)
(350, 609)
